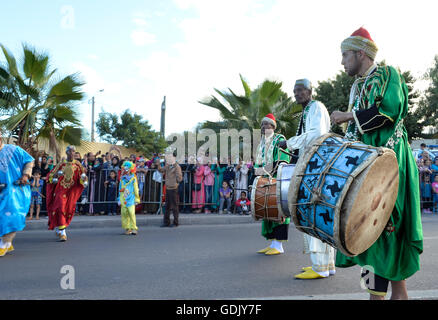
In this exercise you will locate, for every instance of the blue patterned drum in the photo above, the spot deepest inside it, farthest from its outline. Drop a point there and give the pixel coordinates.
(343, 192)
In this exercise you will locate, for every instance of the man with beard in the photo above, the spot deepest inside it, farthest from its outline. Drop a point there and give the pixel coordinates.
(378, 104)
(65, 184)
(315, 122)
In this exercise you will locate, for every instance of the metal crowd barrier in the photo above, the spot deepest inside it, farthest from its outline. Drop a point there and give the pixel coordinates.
(94, 198)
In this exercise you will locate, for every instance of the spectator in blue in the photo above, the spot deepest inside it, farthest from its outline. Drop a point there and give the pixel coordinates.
(111, 193)
(36, 187)
(106, 165)
(225, 195)
(426, 194)
(142, 170)
(422, 148)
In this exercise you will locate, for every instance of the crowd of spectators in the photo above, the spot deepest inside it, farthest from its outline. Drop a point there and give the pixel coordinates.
(206, 187)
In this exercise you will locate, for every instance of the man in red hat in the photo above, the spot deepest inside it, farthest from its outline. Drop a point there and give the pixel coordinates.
(314, 122)
(378, 104)
(268, 156)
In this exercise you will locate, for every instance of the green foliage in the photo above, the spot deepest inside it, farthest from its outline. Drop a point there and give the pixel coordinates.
(33, 104)
(247, 111)
(428, 105)
(131, 130)
(335, 94)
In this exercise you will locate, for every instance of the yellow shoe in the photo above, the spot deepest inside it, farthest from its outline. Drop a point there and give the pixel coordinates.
(309, 274)
(62, 238)
(272, 251)
(3, 251)
(11, 248)
(306, 268)
(128, 232)
(264, 250)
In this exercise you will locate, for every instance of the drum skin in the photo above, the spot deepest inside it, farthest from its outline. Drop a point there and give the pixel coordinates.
(343, 192)
(285, 172)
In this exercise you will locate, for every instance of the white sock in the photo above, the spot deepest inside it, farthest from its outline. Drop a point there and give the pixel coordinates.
(322, 273)
(272, 244)
(277, 245)
(62, 232)
(4, 245)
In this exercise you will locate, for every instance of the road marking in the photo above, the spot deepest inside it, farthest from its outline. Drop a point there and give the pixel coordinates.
(413, 295)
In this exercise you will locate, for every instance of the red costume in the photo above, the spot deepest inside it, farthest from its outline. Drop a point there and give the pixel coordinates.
(63, 195)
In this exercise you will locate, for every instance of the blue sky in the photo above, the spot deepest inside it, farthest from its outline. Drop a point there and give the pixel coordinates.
(139, 51)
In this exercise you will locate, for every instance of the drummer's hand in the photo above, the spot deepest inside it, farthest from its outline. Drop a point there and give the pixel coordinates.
(24, 180)
(338, 117)
(283, 144)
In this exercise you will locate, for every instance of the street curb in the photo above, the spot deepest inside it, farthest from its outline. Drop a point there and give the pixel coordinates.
(81, 222)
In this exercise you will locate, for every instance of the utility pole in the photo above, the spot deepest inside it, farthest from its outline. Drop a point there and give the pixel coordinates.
(163, 116)
(92, 119)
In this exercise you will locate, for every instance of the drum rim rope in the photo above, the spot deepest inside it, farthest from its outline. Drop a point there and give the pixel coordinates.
(265, 195)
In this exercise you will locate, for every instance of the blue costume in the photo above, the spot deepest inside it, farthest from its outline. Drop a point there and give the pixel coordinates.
(14, 199)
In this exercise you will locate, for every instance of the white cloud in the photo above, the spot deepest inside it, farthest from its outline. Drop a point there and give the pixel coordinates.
(141, 38)
(140, 22)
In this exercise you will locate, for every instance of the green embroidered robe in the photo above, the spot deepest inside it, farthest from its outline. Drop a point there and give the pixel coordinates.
(262, 159)
(378, 121)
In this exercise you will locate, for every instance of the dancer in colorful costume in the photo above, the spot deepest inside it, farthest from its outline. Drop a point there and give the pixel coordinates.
(15, 195)
(65, 183)
(128, 197)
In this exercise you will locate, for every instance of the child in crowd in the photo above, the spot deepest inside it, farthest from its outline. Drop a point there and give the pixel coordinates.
(111, 195)
(243, 204)
(225, 195)
(435, 194)
(36, 185)
(426, 194)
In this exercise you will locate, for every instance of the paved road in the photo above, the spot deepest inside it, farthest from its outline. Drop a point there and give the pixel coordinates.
(188, 262)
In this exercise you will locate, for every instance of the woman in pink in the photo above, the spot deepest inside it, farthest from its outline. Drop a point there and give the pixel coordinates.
(208, 185)
(198, 195)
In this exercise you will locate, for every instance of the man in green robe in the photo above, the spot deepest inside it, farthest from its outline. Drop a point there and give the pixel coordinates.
(269, 154)
(378, 105)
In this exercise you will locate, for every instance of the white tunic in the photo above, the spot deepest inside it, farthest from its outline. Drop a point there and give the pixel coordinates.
(317, 123)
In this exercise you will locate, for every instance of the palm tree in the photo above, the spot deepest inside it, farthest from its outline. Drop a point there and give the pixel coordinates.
(247, 111)
(35, 104)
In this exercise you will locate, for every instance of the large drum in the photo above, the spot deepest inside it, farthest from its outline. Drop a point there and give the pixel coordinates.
(343, 192)
(269, 196)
